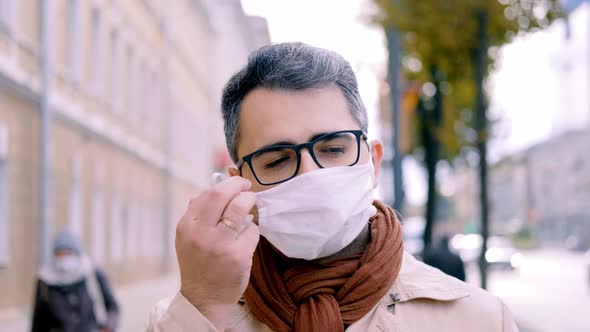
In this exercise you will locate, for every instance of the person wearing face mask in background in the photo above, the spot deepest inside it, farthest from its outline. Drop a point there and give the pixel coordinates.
(294, 240)
(72, 294)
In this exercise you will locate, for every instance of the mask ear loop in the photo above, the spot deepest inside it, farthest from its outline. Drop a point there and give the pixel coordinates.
(372, 165)
(399, 217)
(372, 176)
(370, 152)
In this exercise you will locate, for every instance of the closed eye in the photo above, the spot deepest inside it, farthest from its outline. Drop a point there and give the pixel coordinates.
(334, 150)
(277, 163)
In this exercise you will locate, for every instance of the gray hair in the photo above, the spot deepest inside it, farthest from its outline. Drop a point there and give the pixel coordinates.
(288, 66)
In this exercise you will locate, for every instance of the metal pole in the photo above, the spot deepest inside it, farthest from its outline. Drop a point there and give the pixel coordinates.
(481, 124)
(45, 220)
(393, 41)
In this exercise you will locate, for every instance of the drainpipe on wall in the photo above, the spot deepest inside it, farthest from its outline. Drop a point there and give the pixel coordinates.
(167, 172)
(45, 186)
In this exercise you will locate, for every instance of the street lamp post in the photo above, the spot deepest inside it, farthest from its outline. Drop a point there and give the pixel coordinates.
(393, 41)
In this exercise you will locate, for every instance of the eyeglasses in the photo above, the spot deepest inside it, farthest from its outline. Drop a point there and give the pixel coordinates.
(280, 163)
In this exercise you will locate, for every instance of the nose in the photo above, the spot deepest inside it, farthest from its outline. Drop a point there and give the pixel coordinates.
(307, 163)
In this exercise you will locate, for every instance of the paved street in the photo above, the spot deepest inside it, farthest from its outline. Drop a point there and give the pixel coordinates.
(549, 293)
(136, 301)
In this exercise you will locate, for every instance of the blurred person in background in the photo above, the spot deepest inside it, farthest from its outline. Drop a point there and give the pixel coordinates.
(293, 240)
(442, 258)
(72, 294)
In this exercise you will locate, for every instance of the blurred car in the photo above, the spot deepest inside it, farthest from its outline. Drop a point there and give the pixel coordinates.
(468, 246)
(577, 242)
(501, 252)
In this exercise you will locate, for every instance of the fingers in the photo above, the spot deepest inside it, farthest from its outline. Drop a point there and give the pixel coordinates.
(215, 257)
(236, 212)
(238, 209)
(209, 206)
(248, 238)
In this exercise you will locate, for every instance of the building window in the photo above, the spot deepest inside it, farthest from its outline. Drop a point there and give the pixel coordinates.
(4, 199)
(132, 230)
(118, 218)
(73, 34)
(157, 237)
(97, 59)
(130, 80)
(155, 122)
(149, 98)
(75, 201)
(145, 230)
(115, 71)
(142, 84)
(578, 164)
(98, 215)
(146, 98)
(7, 15)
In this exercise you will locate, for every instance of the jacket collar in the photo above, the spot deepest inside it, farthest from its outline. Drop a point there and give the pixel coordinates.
(417, 280)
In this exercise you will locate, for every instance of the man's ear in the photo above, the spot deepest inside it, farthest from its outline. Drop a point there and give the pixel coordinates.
(232, 171)
(377, 157)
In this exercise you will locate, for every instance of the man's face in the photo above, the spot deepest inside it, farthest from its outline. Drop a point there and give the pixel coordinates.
(268, 117)
(63, 253)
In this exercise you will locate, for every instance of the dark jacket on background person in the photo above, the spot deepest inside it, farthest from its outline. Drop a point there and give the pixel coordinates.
(72, 294)
(70, 308)
(443, 259)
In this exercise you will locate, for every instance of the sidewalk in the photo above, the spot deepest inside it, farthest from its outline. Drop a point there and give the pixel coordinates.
(548, 293)
(136, 302)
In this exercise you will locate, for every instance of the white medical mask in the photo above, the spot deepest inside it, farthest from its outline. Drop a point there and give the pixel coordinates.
(319, 213)
(67, 264)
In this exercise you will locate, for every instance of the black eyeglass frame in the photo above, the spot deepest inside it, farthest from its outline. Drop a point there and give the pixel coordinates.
(297, 148)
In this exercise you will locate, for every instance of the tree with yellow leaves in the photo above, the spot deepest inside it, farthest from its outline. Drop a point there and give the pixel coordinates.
(452, 41)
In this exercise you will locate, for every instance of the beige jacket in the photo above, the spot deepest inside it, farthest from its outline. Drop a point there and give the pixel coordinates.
(421, 299)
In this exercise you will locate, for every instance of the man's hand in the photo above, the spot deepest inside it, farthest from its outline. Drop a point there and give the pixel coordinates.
(214, 252)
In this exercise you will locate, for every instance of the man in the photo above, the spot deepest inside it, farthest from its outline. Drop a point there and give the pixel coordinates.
(442, 258)
(72, 295)
(320, 255)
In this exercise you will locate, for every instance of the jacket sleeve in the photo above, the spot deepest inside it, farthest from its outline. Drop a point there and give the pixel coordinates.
(177, 315)
(508, 323)
(40, 320)
(110, 302)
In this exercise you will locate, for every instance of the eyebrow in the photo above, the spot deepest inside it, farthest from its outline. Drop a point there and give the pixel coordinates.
(275, 144)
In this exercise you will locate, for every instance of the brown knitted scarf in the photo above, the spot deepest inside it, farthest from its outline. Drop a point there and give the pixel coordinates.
(297, 295)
